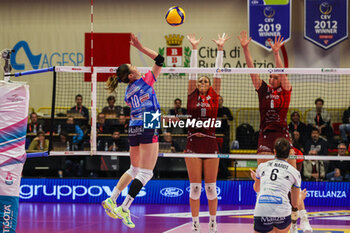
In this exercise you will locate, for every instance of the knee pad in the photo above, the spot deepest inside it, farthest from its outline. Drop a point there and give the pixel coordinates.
(210, 190)
(144, 175)
(133, 171)
(195, 190)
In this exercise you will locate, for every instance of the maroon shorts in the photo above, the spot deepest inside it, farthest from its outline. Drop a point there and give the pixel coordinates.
(267, 139)
(202, 145)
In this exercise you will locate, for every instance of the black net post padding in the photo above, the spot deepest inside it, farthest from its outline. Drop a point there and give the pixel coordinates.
(52, 120)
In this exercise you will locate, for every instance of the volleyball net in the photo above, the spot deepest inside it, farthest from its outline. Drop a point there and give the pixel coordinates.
(103, 124)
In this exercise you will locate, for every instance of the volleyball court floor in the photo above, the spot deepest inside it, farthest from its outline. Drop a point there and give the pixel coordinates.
(78, 218)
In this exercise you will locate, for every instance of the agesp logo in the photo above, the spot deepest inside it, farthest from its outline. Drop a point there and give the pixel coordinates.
(44, 60)
(171, 192)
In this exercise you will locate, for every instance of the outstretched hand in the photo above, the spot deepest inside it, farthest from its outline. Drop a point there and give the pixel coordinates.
(134, 41)
(243, 38)
(277, 45)
(192, 39)
(221, 41)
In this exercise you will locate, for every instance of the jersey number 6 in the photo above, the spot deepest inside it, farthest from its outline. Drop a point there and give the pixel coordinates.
(273, 175)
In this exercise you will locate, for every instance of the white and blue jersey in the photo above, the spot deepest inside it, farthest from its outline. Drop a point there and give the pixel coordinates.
(141, 97)
(276, 179)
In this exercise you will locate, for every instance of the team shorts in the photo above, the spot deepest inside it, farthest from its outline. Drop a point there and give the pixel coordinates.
(138, 135)
(202, 145)
(266, 142)
(266, 224)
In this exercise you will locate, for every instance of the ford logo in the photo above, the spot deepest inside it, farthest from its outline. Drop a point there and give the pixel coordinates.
(171, 192)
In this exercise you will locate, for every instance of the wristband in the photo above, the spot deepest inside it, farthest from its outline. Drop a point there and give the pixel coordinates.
(159, 60)
(193, 63)
(218, 62)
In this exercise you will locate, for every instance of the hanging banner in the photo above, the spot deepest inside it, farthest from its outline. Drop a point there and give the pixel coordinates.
(267, 19)
(326, 22)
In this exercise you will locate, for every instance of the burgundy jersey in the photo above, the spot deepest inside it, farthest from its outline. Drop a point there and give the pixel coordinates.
(274, 104)
(203, 108)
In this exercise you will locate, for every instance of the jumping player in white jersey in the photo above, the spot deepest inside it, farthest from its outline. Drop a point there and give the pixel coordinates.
(273, 181)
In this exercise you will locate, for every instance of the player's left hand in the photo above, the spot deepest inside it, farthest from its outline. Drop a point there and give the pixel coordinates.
(277, 45)
(303, 194)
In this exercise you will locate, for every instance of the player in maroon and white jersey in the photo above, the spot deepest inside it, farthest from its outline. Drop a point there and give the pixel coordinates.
(274, 99)
(203, 104)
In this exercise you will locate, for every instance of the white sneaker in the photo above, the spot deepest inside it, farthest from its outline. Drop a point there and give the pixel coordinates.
(213, 227)
(196, 228)
(305, 225)
(294, 228)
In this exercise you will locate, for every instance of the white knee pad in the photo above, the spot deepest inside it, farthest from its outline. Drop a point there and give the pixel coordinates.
(144, 175)
(210, 190)
(195, 190)
(133, 171)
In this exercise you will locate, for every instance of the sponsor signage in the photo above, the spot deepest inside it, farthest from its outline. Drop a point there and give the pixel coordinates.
(326, 22)
(169, 192)
(268, 19)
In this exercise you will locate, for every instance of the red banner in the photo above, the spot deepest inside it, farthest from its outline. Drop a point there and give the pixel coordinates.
(110, 49)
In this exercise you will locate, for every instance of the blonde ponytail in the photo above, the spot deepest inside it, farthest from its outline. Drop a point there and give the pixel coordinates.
(112, 83)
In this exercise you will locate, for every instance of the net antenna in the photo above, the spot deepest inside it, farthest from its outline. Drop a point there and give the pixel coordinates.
(5, 62)
(93, 89)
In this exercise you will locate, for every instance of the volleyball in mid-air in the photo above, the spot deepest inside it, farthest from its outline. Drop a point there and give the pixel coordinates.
(175, 16)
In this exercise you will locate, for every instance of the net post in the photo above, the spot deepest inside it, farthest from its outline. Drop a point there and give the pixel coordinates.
(53, 105)
(235, 166)
(93, 140)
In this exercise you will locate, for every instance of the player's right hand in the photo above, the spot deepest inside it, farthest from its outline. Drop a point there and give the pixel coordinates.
(253, 174)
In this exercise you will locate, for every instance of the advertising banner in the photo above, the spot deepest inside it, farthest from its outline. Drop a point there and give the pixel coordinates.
(326, 22)
(267, 19)
(169, 192)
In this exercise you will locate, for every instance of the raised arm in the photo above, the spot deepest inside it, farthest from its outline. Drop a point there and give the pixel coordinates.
(134, 41)
(279, 64)
(192, 81)
(243, 38)
(219, 59)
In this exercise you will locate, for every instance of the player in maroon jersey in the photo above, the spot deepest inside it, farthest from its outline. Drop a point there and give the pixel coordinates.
(274, 102)
(203, 104)
(274, 99)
